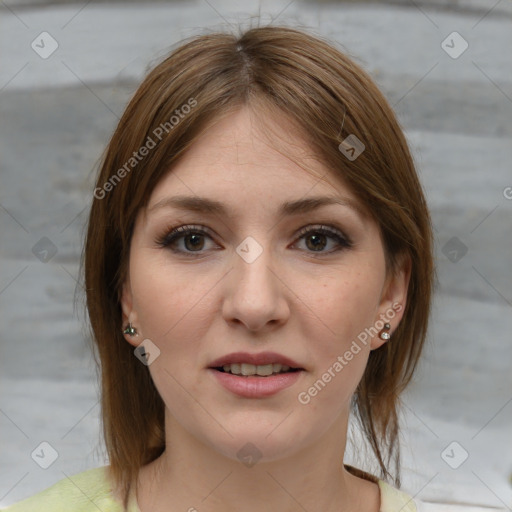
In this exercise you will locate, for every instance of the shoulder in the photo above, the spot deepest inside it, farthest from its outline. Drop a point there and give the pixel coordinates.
(84, 492)
(393, 500)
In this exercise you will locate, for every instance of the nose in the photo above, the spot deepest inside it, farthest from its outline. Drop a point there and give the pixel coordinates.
(256, 295)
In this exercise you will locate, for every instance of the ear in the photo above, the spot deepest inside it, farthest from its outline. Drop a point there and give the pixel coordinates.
(393, 298)
(128, 313)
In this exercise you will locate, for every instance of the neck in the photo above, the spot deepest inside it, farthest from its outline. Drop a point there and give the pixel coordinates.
(192, 476)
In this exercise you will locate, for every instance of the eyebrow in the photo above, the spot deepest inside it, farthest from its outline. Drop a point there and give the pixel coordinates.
(210, 206)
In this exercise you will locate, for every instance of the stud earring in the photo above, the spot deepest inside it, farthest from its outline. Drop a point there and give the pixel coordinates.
(130, 330)
(384, 334)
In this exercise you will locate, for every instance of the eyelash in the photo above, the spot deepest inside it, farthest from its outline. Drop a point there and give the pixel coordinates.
(174, 234)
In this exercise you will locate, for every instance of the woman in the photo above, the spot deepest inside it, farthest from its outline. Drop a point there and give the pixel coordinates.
(258, 265)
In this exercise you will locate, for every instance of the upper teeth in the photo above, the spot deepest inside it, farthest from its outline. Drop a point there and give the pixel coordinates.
(252, 369)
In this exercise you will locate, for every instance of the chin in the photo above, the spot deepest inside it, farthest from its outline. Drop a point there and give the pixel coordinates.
(258, 442)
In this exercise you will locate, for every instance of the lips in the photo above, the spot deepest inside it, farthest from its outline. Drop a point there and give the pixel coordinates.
(259, 375)
(260, 359)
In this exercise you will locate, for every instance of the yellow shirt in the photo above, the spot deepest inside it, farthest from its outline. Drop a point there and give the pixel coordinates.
(90, 491)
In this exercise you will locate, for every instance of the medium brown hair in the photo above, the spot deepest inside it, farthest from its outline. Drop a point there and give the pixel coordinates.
(329, 97)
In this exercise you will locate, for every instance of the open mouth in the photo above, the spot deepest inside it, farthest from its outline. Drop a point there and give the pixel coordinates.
(248, 370)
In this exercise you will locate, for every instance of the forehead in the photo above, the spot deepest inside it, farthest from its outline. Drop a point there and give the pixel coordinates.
(241, 159)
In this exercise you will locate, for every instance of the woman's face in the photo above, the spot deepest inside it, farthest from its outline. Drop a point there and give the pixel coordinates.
(264, 279)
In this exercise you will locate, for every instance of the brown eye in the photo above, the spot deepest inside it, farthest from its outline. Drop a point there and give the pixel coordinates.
(317, 238)
(193, 238)
(196, 241)
(318, 241)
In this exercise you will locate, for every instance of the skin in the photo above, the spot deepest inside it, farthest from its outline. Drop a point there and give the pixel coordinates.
(306, 301)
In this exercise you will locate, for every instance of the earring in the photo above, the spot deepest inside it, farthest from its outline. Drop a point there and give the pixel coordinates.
(130, 330)
(384, 334)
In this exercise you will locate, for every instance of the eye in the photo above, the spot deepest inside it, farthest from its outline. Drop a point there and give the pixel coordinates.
(317, 238)
(193, 238)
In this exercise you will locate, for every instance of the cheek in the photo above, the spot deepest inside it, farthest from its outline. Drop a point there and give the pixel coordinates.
(166, 299)
(343, 306)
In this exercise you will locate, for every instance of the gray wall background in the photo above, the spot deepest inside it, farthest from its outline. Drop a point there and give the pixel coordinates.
(57, 111)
